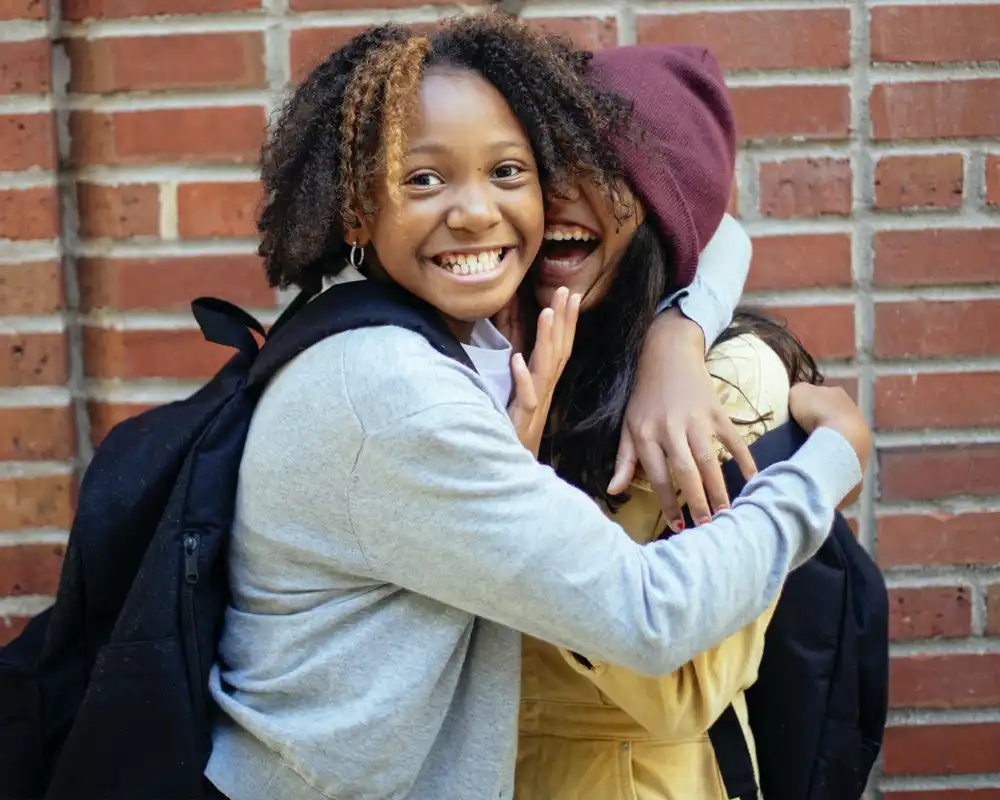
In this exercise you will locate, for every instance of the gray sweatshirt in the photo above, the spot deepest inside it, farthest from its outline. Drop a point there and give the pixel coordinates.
(393, 537)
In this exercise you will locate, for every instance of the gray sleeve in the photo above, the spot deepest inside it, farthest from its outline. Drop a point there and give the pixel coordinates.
(447, 503)
(718, 284)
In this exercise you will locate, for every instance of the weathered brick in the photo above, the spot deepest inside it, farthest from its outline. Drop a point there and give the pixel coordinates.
(805, 187)
(937, 257)
(935, 109)
(180, 61)
(919, 182)
(756, 40)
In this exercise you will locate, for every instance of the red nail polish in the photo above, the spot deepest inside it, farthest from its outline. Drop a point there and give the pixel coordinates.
(704, 520)
(677, 525)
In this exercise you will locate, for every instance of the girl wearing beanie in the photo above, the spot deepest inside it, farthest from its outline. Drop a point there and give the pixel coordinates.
(590, 729)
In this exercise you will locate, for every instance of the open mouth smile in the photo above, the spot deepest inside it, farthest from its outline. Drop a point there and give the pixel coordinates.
(565, 248)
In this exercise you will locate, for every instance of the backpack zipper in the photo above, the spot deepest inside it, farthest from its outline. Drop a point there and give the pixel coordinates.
(192, 548)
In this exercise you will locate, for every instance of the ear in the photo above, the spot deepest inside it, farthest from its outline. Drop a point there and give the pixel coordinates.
(358, 232)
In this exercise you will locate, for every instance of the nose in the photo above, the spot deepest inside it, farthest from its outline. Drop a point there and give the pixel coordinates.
(475, 210)
(568, 195)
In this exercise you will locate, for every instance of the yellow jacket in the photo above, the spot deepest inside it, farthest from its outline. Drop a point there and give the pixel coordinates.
(607, 733)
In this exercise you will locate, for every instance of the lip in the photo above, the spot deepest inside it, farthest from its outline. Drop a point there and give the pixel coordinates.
(469, 251)
(552, 274)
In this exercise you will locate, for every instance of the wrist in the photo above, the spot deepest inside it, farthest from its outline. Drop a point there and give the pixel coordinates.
(672, 329)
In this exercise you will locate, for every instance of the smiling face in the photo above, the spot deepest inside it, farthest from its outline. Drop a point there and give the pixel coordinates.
(468, 218)
(584, 241)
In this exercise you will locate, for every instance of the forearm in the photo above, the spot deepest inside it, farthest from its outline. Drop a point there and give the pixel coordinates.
(450, 506)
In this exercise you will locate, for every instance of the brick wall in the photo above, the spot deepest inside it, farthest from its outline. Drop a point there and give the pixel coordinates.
(869, 177)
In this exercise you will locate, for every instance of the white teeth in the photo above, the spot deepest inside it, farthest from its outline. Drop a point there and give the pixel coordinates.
(471, 263)
(574, 233)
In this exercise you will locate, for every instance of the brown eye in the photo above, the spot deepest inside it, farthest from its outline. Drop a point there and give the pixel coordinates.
(505, 172)
(424, 180)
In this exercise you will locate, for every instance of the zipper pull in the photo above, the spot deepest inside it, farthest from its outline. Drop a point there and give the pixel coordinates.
(191, 544)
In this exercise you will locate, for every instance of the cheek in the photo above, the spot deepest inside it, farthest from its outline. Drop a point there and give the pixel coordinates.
(531, 220)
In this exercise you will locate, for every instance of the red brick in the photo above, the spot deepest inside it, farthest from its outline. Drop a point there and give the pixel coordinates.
(939, 471)
(936, 109)
(945, 794)
(39, 433)
(187, 135)
(929, 613)
(366, 5)
(11, 627)
(792, 112)
(34, 287)
(919, 182)
(909, 540)
(33, 359)
(929, 329)
(182, 61)
(23, 9)
(753, 40)
(309, 46)
(805, 187)
(937, 257)
(941, 750)
(118, 212)
(993, 611)
(104, 416)
(27, 569)
(75, 10)
(937, 400)
(25, 67)
(934, 33)
(171, 283)
(946, 681)
(993, 180)
(27, 214)
(800, 261)
(217, 209)
(26, 141)
(826, 331)
(132, 354)
(587, 33)
(36, 502)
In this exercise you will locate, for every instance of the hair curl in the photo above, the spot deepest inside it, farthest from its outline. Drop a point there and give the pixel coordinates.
(343, 129)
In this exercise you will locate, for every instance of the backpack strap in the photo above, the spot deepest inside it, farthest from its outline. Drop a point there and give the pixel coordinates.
(223, 323)
(733, 756)
(726, 735)
(345, 307)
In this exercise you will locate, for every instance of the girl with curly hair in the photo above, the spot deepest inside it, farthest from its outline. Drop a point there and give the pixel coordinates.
(393, 529)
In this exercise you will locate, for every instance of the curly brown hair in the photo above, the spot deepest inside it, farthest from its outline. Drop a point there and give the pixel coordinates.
(343, 129)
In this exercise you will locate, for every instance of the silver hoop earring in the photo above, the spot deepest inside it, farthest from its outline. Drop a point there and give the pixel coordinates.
(357, 256)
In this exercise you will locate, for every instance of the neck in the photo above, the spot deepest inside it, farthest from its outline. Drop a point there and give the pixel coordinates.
(461, 329)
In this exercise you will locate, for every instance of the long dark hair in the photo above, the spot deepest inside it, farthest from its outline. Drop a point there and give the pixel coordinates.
(588, 407)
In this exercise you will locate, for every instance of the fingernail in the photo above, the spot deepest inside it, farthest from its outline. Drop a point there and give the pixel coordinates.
(677, 525)
(703, 520)
(722, 507)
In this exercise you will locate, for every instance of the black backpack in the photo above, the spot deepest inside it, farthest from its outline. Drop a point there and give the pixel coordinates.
(105, 694)
(818, 708)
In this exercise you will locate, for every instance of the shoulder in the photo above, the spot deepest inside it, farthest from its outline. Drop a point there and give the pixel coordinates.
(751, 379)
(388, 373)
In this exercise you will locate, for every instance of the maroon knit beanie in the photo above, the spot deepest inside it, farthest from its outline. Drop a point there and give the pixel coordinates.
(680, 161)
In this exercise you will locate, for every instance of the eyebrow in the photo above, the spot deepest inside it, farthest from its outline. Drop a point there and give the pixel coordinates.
(431, 147)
